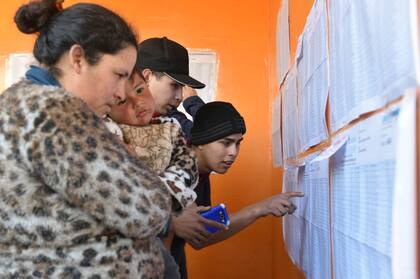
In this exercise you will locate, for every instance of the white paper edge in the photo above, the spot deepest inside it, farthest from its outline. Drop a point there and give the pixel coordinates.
(404, 216)
(414, 18)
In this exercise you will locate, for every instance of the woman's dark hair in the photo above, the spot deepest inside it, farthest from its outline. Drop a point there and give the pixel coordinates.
(96, 29)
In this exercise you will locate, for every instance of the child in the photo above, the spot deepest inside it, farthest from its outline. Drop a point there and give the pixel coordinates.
(160, 144)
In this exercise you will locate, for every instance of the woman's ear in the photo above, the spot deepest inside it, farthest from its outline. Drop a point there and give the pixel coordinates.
(76, 58)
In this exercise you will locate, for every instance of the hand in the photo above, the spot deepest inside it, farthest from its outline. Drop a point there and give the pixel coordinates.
(188, 92)
(190, 225)
(280, 204)
(130, 149)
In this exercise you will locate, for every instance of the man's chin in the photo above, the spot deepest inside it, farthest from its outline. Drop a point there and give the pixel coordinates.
(221, 171)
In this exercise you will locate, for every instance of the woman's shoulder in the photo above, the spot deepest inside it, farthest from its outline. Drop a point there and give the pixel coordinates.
(28, 87)
(35, 95)
(32, 105)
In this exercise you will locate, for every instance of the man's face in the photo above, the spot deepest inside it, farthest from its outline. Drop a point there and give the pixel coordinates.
(166, 92)
(219, 155)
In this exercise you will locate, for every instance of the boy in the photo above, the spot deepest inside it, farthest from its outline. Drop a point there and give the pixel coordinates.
(216, 135)
(165, 66)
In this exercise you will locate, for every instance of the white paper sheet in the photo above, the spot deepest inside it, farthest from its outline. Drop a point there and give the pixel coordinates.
(314, 42)
(363, 179)
(282, 41)
(16, 67)
(312, 105)
(203, 67)
(307, 231)
(404, 220)
(299, 52)
(276, 132)
(374, 55)
(290, 120)
(314, 210)
(337, 143)
(313, 78)
(292, 223)
(373, 201)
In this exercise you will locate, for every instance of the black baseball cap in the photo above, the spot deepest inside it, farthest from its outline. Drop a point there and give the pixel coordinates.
(169, 57)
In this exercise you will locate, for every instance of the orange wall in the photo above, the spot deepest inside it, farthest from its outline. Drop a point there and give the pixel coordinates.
(243, 37)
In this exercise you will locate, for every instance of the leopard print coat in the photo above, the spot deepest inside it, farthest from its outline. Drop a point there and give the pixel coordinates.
(73, 202)
(163, 147)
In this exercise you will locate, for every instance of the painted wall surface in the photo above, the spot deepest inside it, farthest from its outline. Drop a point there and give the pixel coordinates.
(243, 36)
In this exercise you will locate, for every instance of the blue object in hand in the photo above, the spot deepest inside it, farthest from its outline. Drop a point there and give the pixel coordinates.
(218, 214)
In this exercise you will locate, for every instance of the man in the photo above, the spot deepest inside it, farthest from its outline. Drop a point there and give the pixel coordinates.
(165, 66)
(216, 135)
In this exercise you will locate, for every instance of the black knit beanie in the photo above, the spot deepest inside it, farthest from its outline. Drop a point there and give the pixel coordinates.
(214, 121)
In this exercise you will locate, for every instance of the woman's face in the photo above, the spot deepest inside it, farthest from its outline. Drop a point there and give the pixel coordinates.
(103, 84)
(139, 106)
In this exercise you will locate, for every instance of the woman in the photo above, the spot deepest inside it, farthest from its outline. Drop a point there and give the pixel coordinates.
(73, 202)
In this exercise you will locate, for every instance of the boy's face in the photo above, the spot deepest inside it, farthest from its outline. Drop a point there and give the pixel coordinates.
(166, 92)
(219, 155)
(139, 106)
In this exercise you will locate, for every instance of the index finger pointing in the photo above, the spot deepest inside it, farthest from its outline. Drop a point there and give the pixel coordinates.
(293, 194)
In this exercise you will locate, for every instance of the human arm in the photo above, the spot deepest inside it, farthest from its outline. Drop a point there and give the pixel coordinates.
(185, 123)
(74, 154)
(277, 205)
(163, 147)
(181, 174)
(191, 102)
